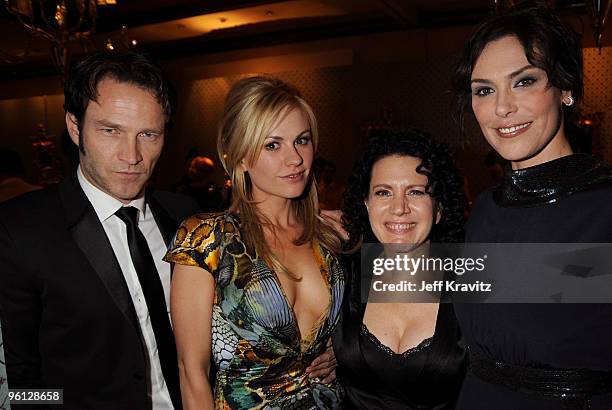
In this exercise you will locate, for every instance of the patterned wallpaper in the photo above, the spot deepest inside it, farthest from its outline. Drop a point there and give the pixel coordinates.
(346, 101)
(598, 96)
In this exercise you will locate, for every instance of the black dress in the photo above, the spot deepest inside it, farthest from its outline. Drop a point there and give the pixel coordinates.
(427, 376)
(568, 200)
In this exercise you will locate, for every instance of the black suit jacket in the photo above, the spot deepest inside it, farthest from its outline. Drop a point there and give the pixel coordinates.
(67, 316)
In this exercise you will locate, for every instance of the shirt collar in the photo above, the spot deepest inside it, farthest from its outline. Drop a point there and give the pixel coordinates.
(104, 204)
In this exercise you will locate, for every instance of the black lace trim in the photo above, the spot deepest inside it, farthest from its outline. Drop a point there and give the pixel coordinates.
(423, 345)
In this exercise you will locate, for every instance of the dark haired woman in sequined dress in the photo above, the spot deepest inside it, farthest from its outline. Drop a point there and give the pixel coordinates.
(521, 74)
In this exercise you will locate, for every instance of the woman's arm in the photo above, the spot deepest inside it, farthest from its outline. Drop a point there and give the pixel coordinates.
(191, 301)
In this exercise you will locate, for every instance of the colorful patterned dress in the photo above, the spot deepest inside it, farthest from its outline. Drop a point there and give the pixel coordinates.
(256, 342)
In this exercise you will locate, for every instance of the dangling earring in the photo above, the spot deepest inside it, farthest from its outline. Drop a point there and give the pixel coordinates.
(570, 101)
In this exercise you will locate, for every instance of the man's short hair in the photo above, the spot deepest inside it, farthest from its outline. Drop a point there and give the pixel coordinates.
(130, 67)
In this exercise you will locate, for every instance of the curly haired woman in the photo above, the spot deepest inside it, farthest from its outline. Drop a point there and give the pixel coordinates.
(404, 189)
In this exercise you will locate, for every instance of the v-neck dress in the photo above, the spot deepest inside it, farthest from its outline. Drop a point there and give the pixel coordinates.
(257, 348)
(374, 377)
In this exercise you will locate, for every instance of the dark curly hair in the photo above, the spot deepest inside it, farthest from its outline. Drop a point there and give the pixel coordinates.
(549, 44)
(444, 183)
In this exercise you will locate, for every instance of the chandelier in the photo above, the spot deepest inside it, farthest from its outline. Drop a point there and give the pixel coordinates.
(61, 22)
(598, 10)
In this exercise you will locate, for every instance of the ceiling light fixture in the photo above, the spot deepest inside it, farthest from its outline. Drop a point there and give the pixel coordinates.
(62, 23)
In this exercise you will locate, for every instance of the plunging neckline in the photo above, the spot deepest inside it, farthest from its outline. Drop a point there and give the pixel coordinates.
(305, 343)
(317, 250)
(419, 346)
(387, 348)
(422, 344)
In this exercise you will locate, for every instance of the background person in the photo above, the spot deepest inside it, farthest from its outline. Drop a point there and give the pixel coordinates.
(200, 185)
(12, 172)
(328, 189)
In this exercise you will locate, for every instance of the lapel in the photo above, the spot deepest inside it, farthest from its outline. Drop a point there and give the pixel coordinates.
(88, 233)
(167, 224)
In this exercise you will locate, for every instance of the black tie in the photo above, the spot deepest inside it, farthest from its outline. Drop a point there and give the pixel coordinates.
(154, 296)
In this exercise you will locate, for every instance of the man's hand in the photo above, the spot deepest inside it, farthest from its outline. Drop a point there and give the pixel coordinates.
(324, 366)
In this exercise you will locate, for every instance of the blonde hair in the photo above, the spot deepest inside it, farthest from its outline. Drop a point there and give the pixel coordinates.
(253, 106)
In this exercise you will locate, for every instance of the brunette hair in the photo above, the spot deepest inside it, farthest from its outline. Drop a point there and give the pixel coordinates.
(444, 184)
(549, 44)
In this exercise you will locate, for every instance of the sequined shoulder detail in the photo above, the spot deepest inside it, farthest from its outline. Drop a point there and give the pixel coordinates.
(423, 345)
(198, 241)
(551, 181)
(256, 348)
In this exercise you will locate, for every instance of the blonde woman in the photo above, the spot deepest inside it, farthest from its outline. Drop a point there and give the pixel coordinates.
(257, 289)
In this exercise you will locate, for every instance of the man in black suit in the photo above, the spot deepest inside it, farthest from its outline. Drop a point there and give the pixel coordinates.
(83, 288)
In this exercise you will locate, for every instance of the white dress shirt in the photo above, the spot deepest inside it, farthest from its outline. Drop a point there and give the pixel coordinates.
(105, 207)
